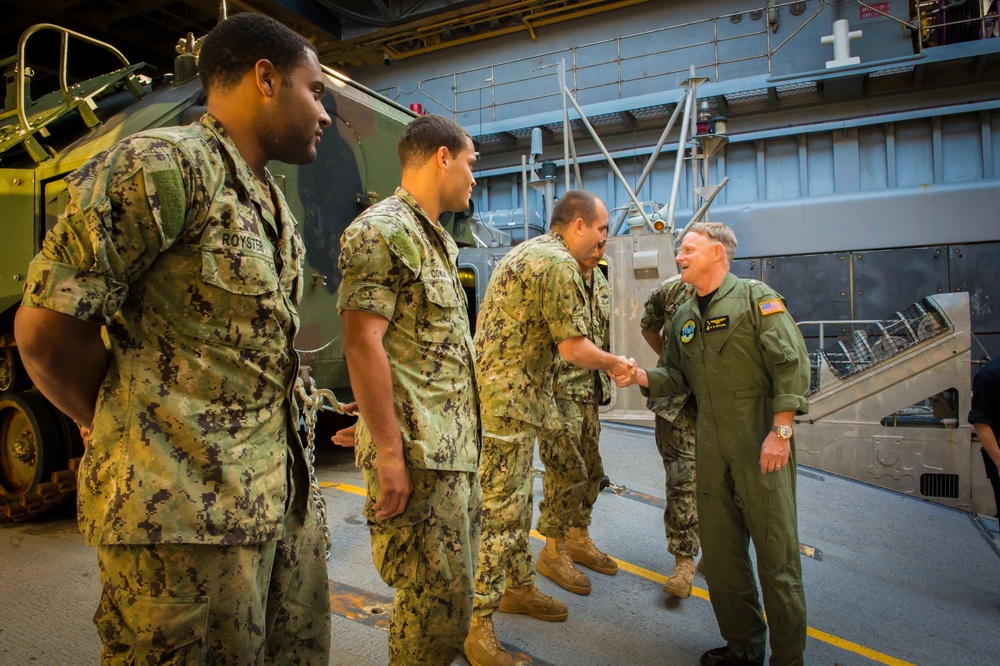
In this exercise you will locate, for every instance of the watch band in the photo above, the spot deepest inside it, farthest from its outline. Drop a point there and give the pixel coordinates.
(783, 432)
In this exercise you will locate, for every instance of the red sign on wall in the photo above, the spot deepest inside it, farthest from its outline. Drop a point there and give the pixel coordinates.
(868, 12)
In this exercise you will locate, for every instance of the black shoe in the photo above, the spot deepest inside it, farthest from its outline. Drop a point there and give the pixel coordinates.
(723, 656)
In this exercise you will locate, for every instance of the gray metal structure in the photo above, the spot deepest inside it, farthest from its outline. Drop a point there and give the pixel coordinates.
(888, 163)
(887, 407)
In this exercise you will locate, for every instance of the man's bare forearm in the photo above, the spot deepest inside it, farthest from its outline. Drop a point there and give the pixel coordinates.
(65, 357)
(371, 382)
(583, 353)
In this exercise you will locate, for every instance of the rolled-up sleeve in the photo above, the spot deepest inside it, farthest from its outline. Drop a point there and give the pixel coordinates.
(564, 303)
(786, 358)
(372, 268)
(125, 207)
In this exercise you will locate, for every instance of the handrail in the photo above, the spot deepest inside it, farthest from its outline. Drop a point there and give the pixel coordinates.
(65, 34)
(822, 322)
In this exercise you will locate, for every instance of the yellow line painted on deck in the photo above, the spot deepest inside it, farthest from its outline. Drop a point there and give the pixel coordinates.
(701, 594)
(355, 490)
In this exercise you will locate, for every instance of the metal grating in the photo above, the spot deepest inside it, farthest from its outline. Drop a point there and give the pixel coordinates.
(557, 128)
(646, 274)
(647, 112)
(488, 139)
(815, 363)
(606, 119)
(746, 96)
(891, 71)
(792, 89)
(521, 132)
(875, 343)
(939, 485)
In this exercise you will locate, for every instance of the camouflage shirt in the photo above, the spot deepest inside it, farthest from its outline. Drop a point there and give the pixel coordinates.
(660, 308)
(580, 384)
(400, 265)
(536, 298)
(165, 242)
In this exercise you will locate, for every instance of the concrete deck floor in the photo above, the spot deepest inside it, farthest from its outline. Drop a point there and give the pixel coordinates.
(893, 580)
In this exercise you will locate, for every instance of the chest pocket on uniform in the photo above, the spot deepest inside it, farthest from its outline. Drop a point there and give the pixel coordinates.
(739, 327)
(439, 319)
(235, 300)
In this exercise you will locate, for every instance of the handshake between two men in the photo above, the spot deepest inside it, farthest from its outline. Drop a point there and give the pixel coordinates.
(625, 373)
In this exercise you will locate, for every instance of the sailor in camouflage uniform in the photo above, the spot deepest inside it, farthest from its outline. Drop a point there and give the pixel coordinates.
(674, 432)
(409, 351)
(535, 309)
(194, 485)
(738, 351)
(570, 453)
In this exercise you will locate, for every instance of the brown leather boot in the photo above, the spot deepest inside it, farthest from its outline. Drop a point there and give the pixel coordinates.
(482, 647)
(529, 600)
(554, 563)
(582, 550)
(682, 579)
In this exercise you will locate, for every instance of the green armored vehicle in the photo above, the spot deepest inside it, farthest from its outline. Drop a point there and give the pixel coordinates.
(43, 139)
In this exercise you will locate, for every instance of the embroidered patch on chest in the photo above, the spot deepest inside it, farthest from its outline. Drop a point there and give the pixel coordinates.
(717, 323)
(687, 331)
(771, 307)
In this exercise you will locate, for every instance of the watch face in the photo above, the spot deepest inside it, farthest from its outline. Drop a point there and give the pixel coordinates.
(784, 432)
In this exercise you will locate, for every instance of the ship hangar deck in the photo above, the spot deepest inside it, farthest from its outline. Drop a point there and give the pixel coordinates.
(889, 579)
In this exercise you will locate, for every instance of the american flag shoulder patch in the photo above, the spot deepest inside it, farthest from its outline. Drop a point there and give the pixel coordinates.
(771, 307)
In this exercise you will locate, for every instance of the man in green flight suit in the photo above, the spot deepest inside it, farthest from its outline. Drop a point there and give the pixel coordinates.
(736, 348)
(674, 430)
(178, 249)
(573, 466)
(535, 309)
(409, 352)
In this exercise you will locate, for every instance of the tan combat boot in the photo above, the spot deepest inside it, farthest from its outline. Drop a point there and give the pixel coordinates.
(682, 579)
(554, 563)
(582, 550)
(482, 647)
(529, 600)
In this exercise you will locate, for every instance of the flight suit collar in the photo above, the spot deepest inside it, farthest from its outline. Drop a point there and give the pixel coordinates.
(728, 284)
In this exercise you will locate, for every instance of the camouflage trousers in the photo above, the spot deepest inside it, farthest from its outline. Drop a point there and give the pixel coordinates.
(573, 469)
(675, 441)
(187, 604)
(428, 555)
(505, 472)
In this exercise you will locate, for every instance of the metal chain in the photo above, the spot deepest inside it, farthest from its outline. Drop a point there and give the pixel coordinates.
(312, 403)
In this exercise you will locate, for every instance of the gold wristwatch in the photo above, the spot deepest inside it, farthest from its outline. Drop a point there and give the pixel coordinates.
(783, 432)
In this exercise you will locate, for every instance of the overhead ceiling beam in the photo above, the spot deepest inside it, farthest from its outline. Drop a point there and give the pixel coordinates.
(480, 19)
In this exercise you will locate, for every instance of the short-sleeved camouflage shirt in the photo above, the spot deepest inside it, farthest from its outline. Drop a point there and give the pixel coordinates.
(580, 384)
(536, 298)
(660, 308)
(166, 242)
(399, 264)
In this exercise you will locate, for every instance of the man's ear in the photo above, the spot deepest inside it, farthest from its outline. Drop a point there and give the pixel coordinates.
(267, 78)
(442, 157)
(579, 225)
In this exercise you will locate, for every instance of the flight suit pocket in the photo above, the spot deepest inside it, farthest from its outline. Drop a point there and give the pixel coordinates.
(741, 328)
(161, 630)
